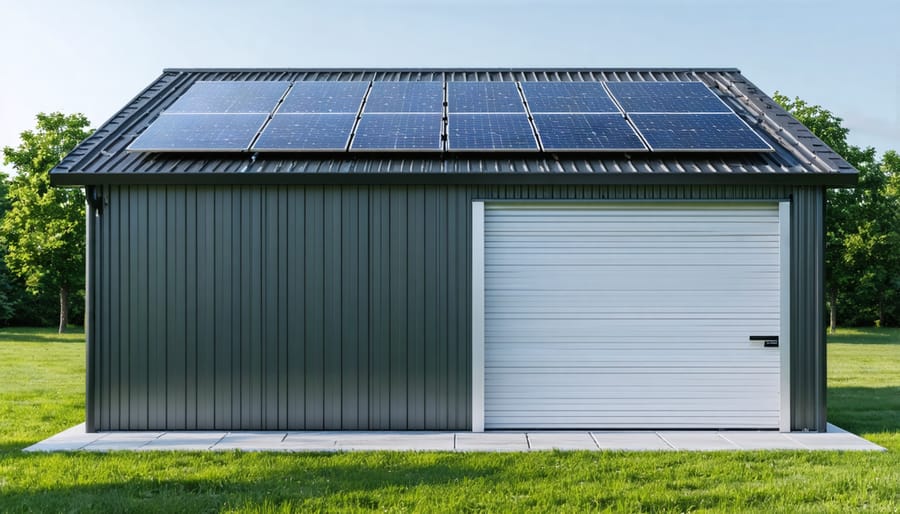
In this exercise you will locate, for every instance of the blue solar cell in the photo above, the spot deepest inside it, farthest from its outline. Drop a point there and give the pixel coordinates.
(712, 132)
(567, 97)
(311, 131)
(230, 97)
(324, 97)
(398, 132)
(490, 132)
(484, 97)
(666, 97)
(406, 97)
(199, 132)
(586, 132)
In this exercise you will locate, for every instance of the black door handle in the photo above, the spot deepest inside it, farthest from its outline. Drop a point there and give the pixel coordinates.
(768, 341)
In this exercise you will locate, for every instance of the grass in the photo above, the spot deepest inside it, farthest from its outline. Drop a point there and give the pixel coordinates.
(41, 393)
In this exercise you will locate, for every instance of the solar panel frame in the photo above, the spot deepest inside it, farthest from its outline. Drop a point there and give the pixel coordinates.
(219, 97)
(205, 125)
(549, 98)
(381, 124)
(386, 97)
(651, 97)
(282, 124)
(656, 144)
(472, 97)
(455, 119)
(575, 125)
(303, 93)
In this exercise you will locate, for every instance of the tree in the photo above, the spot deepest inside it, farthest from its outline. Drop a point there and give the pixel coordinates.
(43, 230)
(862, 233)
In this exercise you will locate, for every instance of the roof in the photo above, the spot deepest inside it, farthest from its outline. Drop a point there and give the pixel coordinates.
(799, 157)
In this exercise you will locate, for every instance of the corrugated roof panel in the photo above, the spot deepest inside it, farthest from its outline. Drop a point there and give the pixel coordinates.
(799, 156)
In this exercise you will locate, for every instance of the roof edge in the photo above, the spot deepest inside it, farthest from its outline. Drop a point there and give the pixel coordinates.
(527, 69)
(796, 179)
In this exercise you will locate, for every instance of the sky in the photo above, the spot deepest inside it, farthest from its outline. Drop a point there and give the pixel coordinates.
(94, 56)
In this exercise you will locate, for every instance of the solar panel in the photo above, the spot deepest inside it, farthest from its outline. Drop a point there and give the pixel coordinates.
(666, 97)
(399, 132)
(484, 97)
(311, 131)
(324, 97)
(574, 132)
(199, 132)
(710, 132)
(567, 97)
(406, 97)
(230, 97)
(490, 132)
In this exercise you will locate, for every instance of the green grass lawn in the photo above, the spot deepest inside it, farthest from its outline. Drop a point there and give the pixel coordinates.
(41, 393)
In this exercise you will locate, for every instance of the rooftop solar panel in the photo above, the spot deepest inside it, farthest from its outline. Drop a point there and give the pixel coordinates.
(567, 97)
(490, 132)
(324, 97)
(709, 132)
(666, 97)
(308, 131)
(578, 132)
(399, 132)
(199, 133)
(484, 97)
(230, 97)
(405, 97)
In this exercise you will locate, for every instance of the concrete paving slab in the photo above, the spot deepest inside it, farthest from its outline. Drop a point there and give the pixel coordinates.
(188, 441)
(561, 441)
(640, 441)
(697, 441)
(103, 445)
(310, 441)
(251, 441)
(833, 441)
(761, 440)
(74, 438)
(491, 441)
(427, 441)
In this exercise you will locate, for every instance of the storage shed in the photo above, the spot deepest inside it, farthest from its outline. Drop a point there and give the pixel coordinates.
(268, 251)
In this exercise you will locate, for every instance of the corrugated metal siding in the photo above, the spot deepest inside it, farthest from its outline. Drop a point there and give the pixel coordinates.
(808, 310)
(311, 307)
(797, 150)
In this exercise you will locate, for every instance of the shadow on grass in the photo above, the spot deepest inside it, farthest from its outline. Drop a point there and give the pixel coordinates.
(356, 482)
(865, 409)
(41, 335)
(865, 336)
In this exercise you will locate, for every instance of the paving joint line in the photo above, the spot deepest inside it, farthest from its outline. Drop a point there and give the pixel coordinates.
(594, 439)
(659, 435)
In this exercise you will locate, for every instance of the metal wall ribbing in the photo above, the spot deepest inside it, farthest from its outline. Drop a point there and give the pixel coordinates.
(331, 307)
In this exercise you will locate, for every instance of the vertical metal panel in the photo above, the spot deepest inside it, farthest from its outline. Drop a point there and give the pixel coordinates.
(375, 279)
(808, 380)
(315, 312)
(380, 311)
(399, 392)
(296, 281)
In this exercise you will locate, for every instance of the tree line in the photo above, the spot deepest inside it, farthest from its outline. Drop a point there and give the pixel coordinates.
(42, 227)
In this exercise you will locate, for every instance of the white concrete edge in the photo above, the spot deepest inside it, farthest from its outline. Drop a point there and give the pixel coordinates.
(784, 244)
(477, 316)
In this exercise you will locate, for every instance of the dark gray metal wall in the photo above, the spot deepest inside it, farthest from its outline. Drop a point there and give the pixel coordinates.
(331, 307)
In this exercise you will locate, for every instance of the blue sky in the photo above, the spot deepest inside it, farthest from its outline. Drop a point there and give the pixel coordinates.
(92, 57)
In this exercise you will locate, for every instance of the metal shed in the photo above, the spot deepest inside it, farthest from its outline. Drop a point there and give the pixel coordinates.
(418, 292)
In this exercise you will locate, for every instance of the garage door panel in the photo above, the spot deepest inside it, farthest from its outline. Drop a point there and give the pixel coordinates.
(631, 316)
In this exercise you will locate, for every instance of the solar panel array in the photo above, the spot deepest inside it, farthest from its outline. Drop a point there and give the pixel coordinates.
(338, 116)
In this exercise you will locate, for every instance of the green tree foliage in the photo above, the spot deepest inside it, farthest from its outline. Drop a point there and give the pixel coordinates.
(43, 230)
(862, 241)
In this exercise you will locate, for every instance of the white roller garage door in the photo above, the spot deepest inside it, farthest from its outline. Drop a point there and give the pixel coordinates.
(630, 315)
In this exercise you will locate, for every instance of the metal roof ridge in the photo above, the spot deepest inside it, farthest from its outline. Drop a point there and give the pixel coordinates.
(527, 69)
